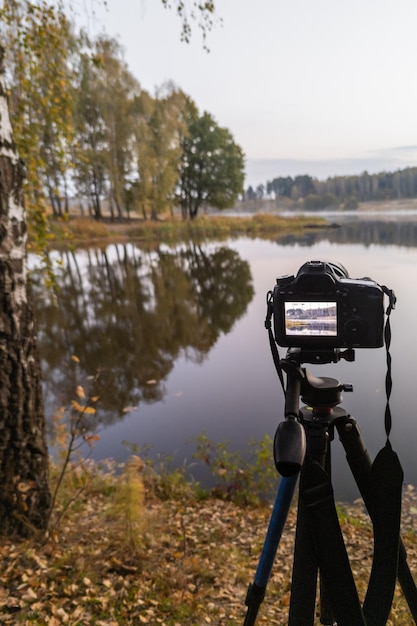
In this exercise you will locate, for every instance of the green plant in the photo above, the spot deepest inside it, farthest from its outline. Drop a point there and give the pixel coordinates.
(161, 476)
(246, 479)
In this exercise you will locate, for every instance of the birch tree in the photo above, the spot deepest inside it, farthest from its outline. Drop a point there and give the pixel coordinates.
(24, 492)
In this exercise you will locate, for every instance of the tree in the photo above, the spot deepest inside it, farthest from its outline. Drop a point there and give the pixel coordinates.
(40, 42)
(281, 186)
(158, 128)
(114, 91)
(304, 185)
(103, 112)
(212, 166)
(24, 493)
(25, 498)
(89, 149)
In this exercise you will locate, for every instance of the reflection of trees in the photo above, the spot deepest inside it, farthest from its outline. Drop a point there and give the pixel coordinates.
(127, 315)
(399, 233)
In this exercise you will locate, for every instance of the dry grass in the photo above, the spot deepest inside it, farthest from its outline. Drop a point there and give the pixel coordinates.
(80, 230)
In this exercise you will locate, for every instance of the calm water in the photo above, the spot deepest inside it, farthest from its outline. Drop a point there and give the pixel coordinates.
(173, 340)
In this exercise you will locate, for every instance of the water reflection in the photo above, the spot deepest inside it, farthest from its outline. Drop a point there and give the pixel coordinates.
(376, 232)
(127, 315)
(191, 320)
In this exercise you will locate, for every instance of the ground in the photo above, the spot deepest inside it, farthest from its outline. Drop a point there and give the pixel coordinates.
(186, 562)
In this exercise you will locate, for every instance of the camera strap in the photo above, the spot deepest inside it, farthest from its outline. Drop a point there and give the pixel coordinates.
(272, 343)
(387, 335)
(384, 506)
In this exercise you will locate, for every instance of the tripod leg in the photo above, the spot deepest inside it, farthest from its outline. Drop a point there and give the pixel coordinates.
(256, 591)
(316, 494)
(305, 565)
(326, 609)
(304, 574)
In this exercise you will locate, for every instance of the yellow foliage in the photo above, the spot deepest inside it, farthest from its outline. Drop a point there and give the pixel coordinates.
(60, 429)
(80, 392)
(85, 410)
(129, 500)
(76, 406)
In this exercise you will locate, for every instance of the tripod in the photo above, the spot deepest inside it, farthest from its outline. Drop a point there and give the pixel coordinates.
(302, 449)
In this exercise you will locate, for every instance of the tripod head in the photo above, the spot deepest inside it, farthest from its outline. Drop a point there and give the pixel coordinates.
(321, 393)
(330, 355)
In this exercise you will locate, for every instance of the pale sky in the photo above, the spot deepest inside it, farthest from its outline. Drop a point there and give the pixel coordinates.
(310, 80)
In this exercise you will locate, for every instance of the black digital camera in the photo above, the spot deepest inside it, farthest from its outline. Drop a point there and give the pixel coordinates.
(321, 308)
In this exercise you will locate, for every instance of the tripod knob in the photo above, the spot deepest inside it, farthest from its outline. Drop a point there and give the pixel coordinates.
(289, 447)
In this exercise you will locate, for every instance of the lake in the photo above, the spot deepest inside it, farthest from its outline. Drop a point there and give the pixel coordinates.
(173, 340)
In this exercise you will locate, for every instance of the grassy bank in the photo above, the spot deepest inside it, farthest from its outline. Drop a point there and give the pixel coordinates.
(172, 230)
(140, 549)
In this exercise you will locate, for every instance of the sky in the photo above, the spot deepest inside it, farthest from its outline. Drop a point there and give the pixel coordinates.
(323, 87)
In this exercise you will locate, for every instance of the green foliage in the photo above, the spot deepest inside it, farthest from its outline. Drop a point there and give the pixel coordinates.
(245, 479)
(349, 190)
(158, 125)
(162, 477)
(82, 121)
(212, 166)
(313, 202)
(350, 203)
(105, 91)
(39, 43)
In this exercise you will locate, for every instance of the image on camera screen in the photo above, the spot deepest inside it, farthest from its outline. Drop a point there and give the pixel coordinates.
(311, 319)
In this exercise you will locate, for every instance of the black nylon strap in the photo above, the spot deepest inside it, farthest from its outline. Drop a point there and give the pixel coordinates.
(385, 485)
(388, 378)
(273, 345)
(386, 478)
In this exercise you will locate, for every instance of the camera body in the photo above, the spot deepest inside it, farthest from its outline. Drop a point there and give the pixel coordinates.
(322, 308)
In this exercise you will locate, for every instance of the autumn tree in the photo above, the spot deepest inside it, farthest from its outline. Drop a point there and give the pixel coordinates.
(24, 494)
(211, 168)
(39, 44)
(89, 148)
(32, 33)
(159, 126)
(114, 91)
(103, 113)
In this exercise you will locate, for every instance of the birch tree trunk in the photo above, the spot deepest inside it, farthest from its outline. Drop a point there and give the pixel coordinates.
(24, 491)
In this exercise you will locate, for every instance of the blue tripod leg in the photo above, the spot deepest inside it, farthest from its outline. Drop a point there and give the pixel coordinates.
(256, 591)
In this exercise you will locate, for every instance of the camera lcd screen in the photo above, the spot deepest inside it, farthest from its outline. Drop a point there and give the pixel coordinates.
(311, 319)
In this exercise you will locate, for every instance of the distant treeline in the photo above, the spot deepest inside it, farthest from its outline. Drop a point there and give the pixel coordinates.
(339, 191)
